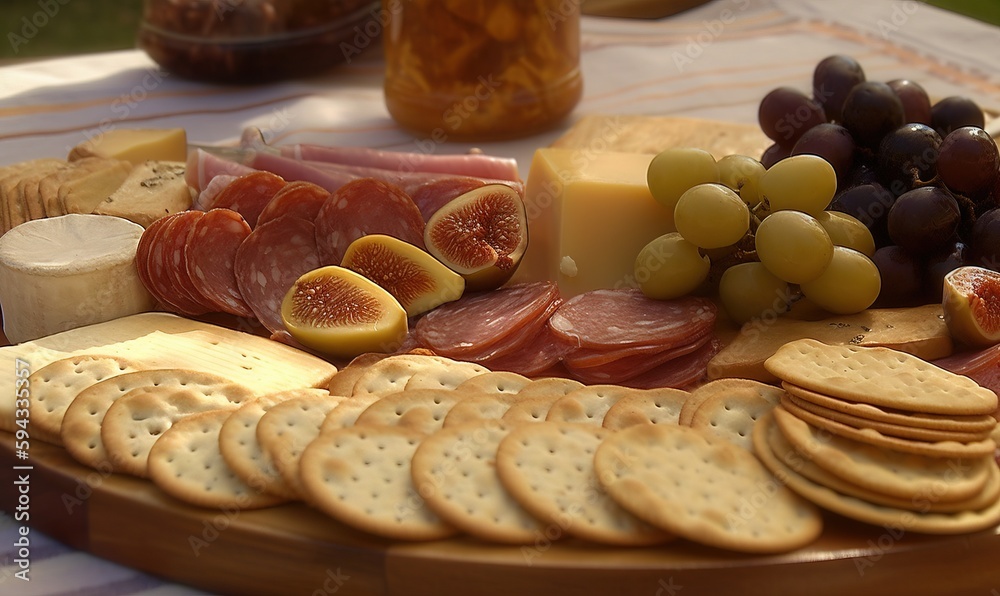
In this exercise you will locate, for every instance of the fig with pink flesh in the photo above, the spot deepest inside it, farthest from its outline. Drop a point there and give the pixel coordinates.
(481, 235)
(971, 304)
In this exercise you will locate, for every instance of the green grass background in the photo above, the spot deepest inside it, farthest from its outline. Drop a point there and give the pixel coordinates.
(82, 26)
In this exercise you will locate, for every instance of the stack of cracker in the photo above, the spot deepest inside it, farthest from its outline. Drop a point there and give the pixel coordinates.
(882, 437)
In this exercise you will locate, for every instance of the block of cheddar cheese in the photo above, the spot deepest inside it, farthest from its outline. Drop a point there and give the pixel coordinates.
(135, 145)
(589, 215)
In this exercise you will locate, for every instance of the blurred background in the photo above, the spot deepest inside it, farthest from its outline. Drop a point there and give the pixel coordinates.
(81, 26)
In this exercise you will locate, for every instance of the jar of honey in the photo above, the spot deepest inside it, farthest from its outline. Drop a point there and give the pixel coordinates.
(457, 69)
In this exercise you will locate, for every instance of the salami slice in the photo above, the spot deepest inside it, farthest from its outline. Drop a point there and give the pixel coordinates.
(162, 261)
(475, 322)
(431, 196)
(541, 352)
(608, 319)
(269, 261)
(249, 194)
(153, 280)
(516, 342)
(361, 207)
(621, 370)
(176, 239)
(591, 357)
(211, 259)
(301, 199)
(679, 373)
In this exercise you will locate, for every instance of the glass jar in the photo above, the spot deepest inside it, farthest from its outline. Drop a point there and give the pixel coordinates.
(462, 69)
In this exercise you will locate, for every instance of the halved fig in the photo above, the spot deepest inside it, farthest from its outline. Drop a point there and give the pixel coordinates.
(481, 235)
(336, 311)
(416, 279)
(972, 305)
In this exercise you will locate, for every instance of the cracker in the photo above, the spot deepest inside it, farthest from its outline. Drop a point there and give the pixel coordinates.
(242, 451)
(187, 464)
(133, 422)
(287, 428)
(361, 477)
(449, 376)
(530, 409)
(649, 406)
(495, 382)
(700, 394)
(900, 520)
(938, 449)
(391, 374)
(81, 427)
(346, 412)
(454, 470)
(547, 386)
(731, 414)
(56, 385)
(899, 474)
(781, 448)
(342, 383)
(485, 406)
(880, 377)
(972, 424)
(422, 410)
(588, 404)
(703, 488)
(549, 469)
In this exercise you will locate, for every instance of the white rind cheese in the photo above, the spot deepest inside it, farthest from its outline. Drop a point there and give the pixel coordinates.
(65, 272)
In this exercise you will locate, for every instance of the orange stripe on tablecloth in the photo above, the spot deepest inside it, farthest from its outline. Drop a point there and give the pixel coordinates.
(77, 105)
(597, 40)
(333, 130)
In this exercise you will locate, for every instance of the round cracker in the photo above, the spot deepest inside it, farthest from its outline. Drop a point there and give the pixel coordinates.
(727, 385)
(549, 386)
(588, 404)
(495, 382)
(487, 406)
(422, 410)
(346, 413)
(732, 415)
(646, 406)
(549, 469)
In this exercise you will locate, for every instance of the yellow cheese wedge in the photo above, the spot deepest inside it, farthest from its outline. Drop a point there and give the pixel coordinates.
(589, 215)
(64, 272)
(135, 145)
(161, 340)
(152, 190)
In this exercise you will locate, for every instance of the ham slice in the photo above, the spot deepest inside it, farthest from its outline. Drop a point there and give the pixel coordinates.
(472, 164)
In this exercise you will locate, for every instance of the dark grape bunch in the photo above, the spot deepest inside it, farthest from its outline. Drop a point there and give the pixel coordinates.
(923, 177)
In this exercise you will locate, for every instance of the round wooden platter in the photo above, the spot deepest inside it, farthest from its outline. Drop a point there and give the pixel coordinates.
(293, 549)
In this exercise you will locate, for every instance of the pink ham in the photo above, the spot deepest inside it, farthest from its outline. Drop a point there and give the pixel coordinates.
(211, 259)
(365, 206)
(203, 166)
(269, 261)
(301, 199)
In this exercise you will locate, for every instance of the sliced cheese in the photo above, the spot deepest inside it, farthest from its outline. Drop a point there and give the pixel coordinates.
(135, 145)
(161, 340)
(85, 193)
(153, 189)
(589, 215)
(65, 272)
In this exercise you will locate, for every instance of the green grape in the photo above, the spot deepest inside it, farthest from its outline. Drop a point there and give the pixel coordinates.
(742, 174)
(793, 246)
(750, 291)
(711, 216)
(847, 231)
(673, 171)
(670, 267)
(801, 182)
(849, 285)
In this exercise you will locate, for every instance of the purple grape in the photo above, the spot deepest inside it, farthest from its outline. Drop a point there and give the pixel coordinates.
(955, 112)
(785, 113)
(773, 155)
(907, 156)
(940, 265)
(984, 244)
(969, 161)
(902, 277)
(833, 143)
(922, 221)
(833, 79)
(871, 110)
(870, 204)
(916, 103)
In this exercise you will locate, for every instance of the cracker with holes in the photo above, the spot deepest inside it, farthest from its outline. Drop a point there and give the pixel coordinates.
(486, 406)
(587, 405)
(929, 522)
(187, 464)
(702, 393)
(346, 413)
(531, 409)
(361, 477)
(242, 451)
(880, 377)
(649, 406)
(549, 386)
(422, 410)
(81, 427)
(731, 414)
(393, 373)
(549, 469)
(452, 374)
(342, 383)
(495, 382)
(133, 422)
(703, 488)
(454, 470)
(56, 385)
(287, 428)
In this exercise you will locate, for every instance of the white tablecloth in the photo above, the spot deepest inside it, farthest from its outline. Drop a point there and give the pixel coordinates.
(715, 61)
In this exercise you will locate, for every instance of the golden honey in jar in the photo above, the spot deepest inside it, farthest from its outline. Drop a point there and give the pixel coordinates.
(463, 69)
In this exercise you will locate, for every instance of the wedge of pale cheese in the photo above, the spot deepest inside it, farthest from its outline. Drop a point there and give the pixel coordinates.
(135, 145)
(69, 271)
(589, 215)
(152, 190)
(85, 193)
(161, 340)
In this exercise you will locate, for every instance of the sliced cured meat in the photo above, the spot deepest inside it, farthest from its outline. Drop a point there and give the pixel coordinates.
(516, 342)
(431, 196)
(470, 164)
(160, 264)
(534, 357)
(206, 198)
(476, 322)
(301, 199)
(211, 259)
(249, 194)
(293, 169)
(361, 207)
(591, 357)
(202, 167)
(621, 370)
(982, 366)
(679, 373)
(269, 261)
(175, 240)
(153, 280)
(608, 319)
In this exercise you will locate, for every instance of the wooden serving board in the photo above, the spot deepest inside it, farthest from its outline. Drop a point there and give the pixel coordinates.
(293, 549)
